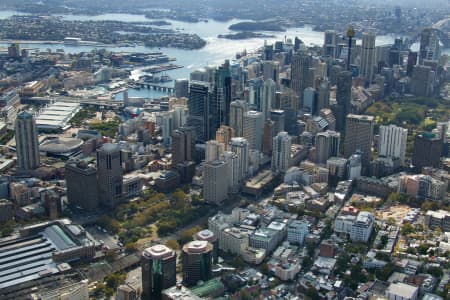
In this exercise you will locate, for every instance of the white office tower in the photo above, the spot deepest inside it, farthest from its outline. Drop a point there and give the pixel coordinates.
(237, 111)
(253, 128)
(268, 97)
(179, 116)
(392, 142)
(213, 150)
(233, 174)
(215, 182)
(368, 56)
(281, 152)
(239, 146)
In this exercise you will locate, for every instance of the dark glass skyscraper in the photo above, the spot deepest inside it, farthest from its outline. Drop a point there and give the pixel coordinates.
(158, 265)
(197, 262)
(343, 98)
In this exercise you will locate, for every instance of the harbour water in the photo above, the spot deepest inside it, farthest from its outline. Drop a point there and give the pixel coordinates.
(215, 51)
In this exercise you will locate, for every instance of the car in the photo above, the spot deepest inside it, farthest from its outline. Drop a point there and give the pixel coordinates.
(119, 244)
(104, 230)
(101, 242)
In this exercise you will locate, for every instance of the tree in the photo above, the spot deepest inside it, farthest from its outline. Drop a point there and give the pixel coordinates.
(307, 263)
(407, 229)
(383, 241)
(131, 247)
(238, 262)
(173, 244)
(435, 271)
(312, 293)
(186, 235)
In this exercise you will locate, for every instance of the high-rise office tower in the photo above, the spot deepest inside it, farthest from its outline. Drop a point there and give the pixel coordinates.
(199, 109)
(209, 236)
(237, 111)
(255, 92)
(197, 262)
(309, 101)
(323, 95)
(412, 61)
(270, 70)
(81, 177)
(233, 171)
(239, 146)
(221, 98)
(213, 150)
(268, 135)
(358, 137)
(368, 56)
(27, 146)
(159, 271)
(330, 43)
(279, 118)
(343, 98)
(327, 145)
(253, 126)
(289, 102)
(268, 97)
(427, 151)
(301, 62)
(281, 152)
(224, 135)
(392, 142)
(183, 145)
(179, 114)
(166, 127)
(429, 45)
(110, 175)
(181, 87)
(422, 81)
(215, 181)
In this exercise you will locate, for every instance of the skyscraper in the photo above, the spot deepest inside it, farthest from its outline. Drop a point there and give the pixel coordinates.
(323, 95)
(27, 146)
(343, 98)
(429, 45)
(392, 142)
(81, 177)
(110, 175)
(279, 118)
(368, 56)
(183, 145)
(301, 62)
(358, 137)
(330, 43)
(197, 262)
(268, 135)
(213, 150)
(199, 110)
(309, 100)
(281, 152)
(268, 97)
(221, 98)
(181, 88)
(215, 184)
(327, 145)
(237, 111)
(224, 135)
(427, 151)
(253, 126)
(158, 265)
(239, 146)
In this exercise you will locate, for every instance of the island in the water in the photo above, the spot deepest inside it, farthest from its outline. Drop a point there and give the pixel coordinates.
(244, 35)
(257, 26)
